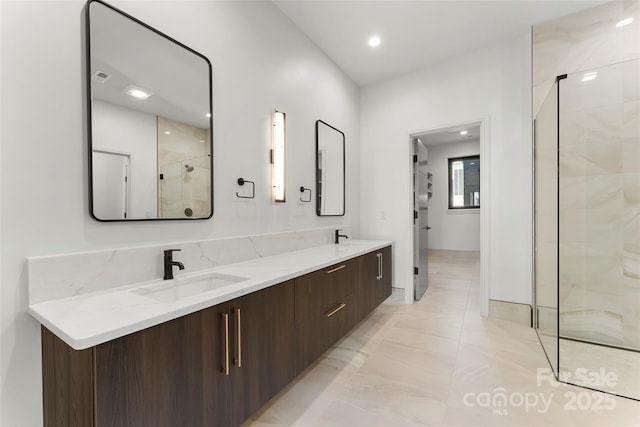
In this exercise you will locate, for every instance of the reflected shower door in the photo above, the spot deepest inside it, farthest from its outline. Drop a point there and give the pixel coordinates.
(185, 190)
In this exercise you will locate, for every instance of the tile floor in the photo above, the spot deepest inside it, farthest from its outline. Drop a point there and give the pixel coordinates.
(439, 363)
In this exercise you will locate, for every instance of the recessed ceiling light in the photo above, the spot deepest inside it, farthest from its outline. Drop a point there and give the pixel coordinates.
(624, 22)
(137, 92)
(464, 132)
(208, 114)
(374, 41)
(166, 132)
(589, 76)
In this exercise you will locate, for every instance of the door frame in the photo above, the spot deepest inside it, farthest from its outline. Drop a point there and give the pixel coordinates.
(485, 213)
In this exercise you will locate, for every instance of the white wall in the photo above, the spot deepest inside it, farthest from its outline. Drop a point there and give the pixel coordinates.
(129, 131)
(260, 62)
(451, 230)
(493, 84)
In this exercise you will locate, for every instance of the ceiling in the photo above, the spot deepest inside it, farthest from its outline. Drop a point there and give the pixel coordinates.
(446, 136)
(415, 34)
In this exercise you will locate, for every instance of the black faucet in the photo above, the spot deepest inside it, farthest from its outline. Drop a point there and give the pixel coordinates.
(169, 263)
(338, 236)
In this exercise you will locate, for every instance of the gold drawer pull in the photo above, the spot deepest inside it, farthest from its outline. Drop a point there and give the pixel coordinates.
(337, 268)
(225, 368)
(238, 361)
(335, 310)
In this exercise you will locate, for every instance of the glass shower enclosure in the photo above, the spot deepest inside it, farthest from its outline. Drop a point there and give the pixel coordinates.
(185, 188)
(587, 228)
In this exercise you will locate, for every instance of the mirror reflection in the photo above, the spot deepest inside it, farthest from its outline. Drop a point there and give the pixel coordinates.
(149, 123)
(330, 167)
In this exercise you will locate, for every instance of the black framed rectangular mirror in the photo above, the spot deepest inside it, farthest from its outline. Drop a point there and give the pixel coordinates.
(330, 170)
(149, 108)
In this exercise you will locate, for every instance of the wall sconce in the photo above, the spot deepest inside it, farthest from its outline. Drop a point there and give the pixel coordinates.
(278, 156)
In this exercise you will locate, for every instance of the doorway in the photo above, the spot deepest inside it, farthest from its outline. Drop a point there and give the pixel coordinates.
(448, 192)
(111, 182)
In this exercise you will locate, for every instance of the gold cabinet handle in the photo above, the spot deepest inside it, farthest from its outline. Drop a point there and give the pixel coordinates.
(336, 269)
(335, 310)
(238, 361)
(225, 368)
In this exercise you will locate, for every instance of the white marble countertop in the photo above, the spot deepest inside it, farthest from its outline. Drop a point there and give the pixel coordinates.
(86, 320)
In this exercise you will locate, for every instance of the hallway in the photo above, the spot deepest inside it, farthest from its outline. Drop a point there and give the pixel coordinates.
(438, 363)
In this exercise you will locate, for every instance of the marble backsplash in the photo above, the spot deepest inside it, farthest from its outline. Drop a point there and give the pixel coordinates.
(66, 275)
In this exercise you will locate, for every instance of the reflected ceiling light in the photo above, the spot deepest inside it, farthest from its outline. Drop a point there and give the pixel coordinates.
(278, 156)
(137, 92)
(166, 132)
(464, 132)
(624, 22)
(589, 76)
(374, 41)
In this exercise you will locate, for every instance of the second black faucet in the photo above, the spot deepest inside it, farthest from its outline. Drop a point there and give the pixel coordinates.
(338, 236)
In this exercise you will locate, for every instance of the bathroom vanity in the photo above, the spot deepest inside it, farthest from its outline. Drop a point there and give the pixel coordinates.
(208, 358)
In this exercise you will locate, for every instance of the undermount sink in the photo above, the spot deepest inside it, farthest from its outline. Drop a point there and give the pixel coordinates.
(352, 244)
(174, 290)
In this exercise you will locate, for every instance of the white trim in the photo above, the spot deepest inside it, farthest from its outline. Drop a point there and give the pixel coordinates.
(464, 211)
(485, 214)
(109, 150)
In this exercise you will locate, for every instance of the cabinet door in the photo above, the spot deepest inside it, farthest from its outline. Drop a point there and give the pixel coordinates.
(369, 282)
(262, 350)
(153, 377)
(216, 366)
(375, 279)
(386, 273)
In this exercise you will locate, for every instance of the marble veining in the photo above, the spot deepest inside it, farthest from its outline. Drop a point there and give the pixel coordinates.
(90, 319)
(67, 275)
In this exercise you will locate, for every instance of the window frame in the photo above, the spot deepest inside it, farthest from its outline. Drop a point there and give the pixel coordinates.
(450, 183)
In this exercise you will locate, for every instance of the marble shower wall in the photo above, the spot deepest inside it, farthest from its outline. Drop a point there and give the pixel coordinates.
(184, 162)
(61, 276)
(599, 208)
(599, 169)
(582, 41)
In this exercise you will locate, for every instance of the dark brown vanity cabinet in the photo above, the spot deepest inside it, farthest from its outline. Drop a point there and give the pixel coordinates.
(262, 353)
(323, 303)
(375, 278)
(214, 367)
(217, 366)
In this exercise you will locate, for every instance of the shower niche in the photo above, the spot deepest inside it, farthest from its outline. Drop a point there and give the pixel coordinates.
(587, 228)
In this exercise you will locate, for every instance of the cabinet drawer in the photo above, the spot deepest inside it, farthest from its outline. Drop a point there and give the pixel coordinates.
(318, 293)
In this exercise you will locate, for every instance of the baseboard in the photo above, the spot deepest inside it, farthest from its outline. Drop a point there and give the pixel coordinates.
(511, 311)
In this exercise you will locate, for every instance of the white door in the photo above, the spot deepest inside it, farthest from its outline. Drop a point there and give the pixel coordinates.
(110, 185)
(421, 191)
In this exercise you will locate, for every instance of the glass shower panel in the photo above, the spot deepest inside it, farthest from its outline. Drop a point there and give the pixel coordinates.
(546, 227)
(185, 190)
(599, 229)
(170, 195)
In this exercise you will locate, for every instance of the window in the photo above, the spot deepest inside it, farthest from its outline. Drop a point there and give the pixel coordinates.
(464, 182)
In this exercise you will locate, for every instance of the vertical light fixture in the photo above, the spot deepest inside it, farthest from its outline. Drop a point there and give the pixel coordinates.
(278, 156)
